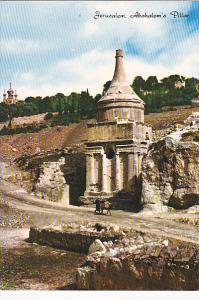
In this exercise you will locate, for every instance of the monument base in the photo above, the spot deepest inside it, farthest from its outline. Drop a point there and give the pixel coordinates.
(120, 200)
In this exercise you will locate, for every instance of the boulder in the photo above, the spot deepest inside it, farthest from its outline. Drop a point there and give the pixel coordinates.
(96, 246)
(170, 172)
(84, 278)
(113, 252)
(114, 228)
(99, 227)
(114, 265)
(182, 198)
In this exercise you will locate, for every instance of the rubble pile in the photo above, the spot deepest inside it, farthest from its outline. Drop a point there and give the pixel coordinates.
(120, 258)
(141, 262)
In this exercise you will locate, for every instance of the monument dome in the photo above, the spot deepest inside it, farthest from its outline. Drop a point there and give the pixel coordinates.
(120, 102)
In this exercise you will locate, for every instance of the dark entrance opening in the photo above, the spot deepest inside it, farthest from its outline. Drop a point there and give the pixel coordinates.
(110, 153)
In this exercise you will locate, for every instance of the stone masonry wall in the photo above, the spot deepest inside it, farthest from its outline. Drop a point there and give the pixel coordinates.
(77, 239)
(143, 273)
(128, 260)
(141, 262)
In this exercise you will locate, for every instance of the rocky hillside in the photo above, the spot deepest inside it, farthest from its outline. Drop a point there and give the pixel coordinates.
(168, 118)
(49, 139)
(171, 171)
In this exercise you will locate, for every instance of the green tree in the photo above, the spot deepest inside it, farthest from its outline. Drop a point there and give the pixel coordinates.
(106, 87)
(29, 99)
(50, 104)
(139, 84)
(73, 102)
(97, 98)
(61, 102)
(151, 83)
(3, 112)
(84, 103)
(48, 116)
(169, 82)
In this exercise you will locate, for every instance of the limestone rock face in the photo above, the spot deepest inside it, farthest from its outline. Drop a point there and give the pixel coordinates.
(57, 176)
(84, 278)
(156, 265)
(51, 183)
(13, 174)
(171, 171)
(97, 246)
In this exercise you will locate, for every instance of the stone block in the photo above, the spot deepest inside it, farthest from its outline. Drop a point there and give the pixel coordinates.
(96, 246)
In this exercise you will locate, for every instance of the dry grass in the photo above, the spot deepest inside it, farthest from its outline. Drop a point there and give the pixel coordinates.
(12, 147)
(168, 118)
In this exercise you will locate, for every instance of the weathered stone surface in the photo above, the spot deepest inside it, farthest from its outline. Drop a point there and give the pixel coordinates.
(163, 265)
(84, 278)
(116, 143)
(12, 173)
(52, 178)
(96, 246)
(170, 171)
(114, 228)
(51, 184)
(72, 237)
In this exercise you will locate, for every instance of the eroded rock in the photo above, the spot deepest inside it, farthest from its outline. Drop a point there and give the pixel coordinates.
(171, 172)
(97, 246)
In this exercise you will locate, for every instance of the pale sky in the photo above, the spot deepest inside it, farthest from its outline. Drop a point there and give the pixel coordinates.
(51, 47)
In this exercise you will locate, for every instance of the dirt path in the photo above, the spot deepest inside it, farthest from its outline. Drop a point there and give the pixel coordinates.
(31, 266)
(41, 215)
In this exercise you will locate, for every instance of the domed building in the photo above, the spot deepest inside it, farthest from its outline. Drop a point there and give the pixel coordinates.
(180, 83)
(116, 143)
(10, 97)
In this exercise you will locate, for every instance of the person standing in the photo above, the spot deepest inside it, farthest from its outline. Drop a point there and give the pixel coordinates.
(102, 206)
(108, 206)
(97, 206)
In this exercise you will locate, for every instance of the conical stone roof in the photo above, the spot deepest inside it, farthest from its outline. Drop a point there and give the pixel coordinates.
(119, 88)
(119, 96)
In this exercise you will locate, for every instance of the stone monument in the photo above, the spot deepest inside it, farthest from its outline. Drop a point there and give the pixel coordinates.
(116, 143)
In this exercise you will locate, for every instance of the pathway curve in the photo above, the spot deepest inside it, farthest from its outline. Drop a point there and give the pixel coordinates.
(45, 214)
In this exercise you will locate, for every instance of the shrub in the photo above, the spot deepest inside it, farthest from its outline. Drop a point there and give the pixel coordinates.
(48, 116)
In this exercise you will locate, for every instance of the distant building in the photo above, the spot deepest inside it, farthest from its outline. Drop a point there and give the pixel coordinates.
(180, 83)
(10, 97)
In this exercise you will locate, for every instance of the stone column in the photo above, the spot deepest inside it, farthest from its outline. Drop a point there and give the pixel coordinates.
(104, 175)
(65, 195)
(139, 163)
(135, 159)
(135, 172)
(130, 169)
(117, 172)
(89, 171)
